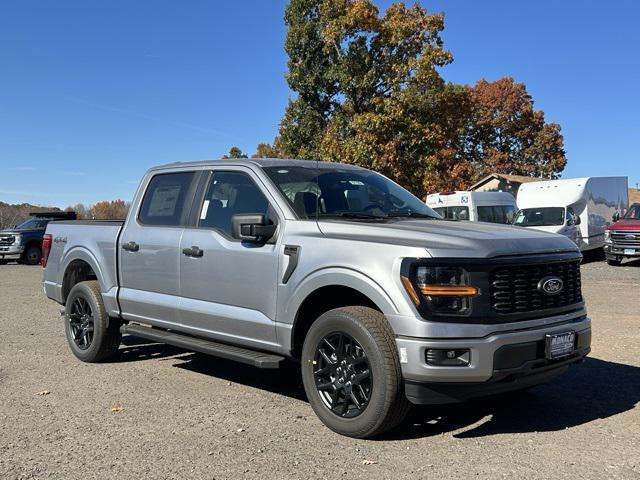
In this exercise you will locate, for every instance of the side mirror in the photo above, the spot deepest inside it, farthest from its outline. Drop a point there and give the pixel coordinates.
(252, 227)
(616, 216)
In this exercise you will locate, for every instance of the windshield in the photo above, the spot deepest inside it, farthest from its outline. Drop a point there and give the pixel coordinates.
(539, 217)
(33, 224)
(347, 193)
(633, 213)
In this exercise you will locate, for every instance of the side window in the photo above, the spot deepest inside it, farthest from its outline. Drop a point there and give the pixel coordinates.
(229, 194)
(485, 214)
(164, 201)
(509, 213)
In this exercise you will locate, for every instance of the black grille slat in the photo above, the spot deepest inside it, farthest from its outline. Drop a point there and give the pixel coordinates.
(514, 288)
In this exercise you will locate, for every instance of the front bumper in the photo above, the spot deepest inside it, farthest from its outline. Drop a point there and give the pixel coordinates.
(612, 249)
(497, 357)
(11, 251)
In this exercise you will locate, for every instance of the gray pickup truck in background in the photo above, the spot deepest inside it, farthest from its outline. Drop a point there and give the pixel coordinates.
(382, 302)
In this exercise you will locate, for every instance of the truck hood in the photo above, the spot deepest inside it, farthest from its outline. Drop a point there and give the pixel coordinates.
(451, 239)
(624, 224)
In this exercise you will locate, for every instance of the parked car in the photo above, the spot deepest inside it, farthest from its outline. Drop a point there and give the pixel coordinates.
(622, 238)
(578, 208)
(24, 242)
(493, 207)
(335, 266)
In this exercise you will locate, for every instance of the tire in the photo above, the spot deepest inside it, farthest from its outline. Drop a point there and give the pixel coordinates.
(367, 329)
(613, 262)
(32, 255)
(92, 335)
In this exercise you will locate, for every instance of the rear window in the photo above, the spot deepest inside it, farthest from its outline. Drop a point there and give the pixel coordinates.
(165, 199)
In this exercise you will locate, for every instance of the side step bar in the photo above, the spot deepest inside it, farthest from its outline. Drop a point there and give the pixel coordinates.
(238, 354)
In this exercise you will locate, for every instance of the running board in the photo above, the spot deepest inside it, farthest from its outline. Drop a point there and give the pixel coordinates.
(230, 352)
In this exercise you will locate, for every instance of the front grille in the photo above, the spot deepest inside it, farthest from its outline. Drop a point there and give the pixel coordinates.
(7, 240)
(514, 288)
(628, 238)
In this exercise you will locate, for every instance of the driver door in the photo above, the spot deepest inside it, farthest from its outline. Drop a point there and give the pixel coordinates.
(228, 287)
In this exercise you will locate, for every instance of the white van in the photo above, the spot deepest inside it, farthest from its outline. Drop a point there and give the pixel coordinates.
(578, 208)
(494, 207)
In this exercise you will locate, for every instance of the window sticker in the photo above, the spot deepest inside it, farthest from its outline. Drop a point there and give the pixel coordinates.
(164, 200)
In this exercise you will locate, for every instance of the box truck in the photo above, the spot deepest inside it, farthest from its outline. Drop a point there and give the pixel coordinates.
(578, 208)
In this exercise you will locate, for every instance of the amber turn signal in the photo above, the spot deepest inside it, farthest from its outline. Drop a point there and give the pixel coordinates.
(448, 290)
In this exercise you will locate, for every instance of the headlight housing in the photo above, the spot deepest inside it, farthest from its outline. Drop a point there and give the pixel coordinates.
(439, 289)
(607, 236)
(17, 239)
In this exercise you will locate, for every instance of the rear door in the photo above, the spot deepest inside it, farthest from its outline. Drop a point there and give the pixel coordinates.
(228, 291)
(149, 250)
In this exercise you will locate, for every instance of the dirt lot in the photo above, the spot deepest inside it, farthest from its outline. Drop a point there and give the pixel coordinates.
(158, 412)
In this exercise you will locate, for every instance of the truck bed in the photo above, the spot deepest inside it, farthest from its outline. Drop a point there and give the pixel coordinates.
(94, 242)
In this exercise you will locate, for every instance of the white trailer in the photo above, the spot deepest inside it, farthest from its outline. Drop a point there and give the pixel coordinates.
(578, 208)
(493, 207)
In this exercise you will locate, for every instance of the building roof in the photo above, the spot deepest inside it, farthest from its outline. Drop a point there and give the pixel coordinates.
(506, 177)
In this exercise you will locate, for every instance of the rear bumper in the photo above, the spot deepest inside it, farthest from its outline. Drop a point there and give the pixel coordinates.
(493, 357)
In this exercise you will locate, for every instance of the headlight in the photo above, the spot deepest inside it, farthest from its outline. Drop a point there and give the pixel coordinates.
(607, 236)
(440, 289)
(17, 239)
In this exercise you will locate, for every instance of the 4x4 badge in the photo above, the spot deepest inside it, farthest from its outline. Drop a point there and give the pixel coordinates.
(551, 285)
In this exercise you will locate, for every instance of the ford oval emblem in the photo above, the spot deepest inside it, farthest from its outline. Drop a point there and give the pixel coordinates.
(630, 236)
(551, 285)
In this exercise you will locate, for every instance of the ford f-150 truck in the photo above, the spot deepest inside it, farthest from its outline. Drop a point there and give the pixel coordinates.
(23, 243)
(622, 238)
(382, 302)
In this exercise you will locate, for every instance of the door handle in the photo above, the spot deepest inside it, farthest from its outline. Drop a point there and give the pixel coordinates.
(194, 251)
(131, 246)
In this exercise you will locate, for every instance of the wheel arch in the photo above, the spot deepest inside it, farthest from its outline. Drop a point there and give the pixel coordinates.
(329, 289)
(79, 265)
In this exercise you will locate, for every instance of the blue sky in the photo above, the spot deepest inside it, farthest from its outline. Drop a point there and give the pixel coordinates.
(94, 93)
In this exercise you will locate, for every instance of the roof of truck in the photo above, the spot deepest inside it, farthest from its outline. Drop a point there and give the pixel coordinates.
(260, 162)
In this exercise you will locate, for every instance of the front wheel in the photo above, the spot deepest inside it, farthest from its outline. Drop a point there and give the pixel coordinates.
(613, 262)
(92, 335)
(32, 255)
(351, 372)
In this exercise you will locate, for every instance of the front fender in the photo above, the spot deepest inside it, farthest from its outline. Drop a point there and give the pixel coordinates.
(332, 276)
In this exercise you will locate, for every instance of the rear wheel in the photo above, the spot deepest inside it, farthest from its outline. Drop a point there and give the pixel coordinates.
(92, 335)
(351, 372)
(32, 255)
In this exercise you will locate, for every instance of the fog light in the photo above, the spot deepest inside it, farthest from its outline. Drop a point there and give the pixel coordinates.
(448, 357)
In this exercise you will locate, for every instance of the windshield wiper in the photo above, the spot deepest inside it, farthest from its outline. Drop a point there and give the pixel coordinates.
(358, 215)
(411, 215)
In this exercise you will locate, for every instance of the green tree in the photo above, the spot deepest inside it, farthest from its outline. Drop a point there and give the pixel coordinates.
(235, 152)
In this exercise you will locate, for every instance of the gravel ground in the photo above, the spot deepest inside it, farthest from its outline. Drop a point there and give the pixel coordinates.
(159, 412)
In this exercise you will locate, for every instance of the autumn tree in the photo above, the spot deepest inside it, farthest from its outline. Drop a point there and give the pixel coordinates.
(369, 92)
(110, 210)
(235, 152)
(265, 150)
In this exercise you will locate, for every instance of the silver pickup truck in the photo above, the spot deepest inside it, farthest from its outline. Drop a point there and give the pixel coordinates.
(382, 302)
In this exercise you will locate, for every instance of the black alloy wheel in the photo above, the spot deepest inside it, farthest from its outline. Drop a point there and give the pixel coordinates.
(81, 323)
(342, 375)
